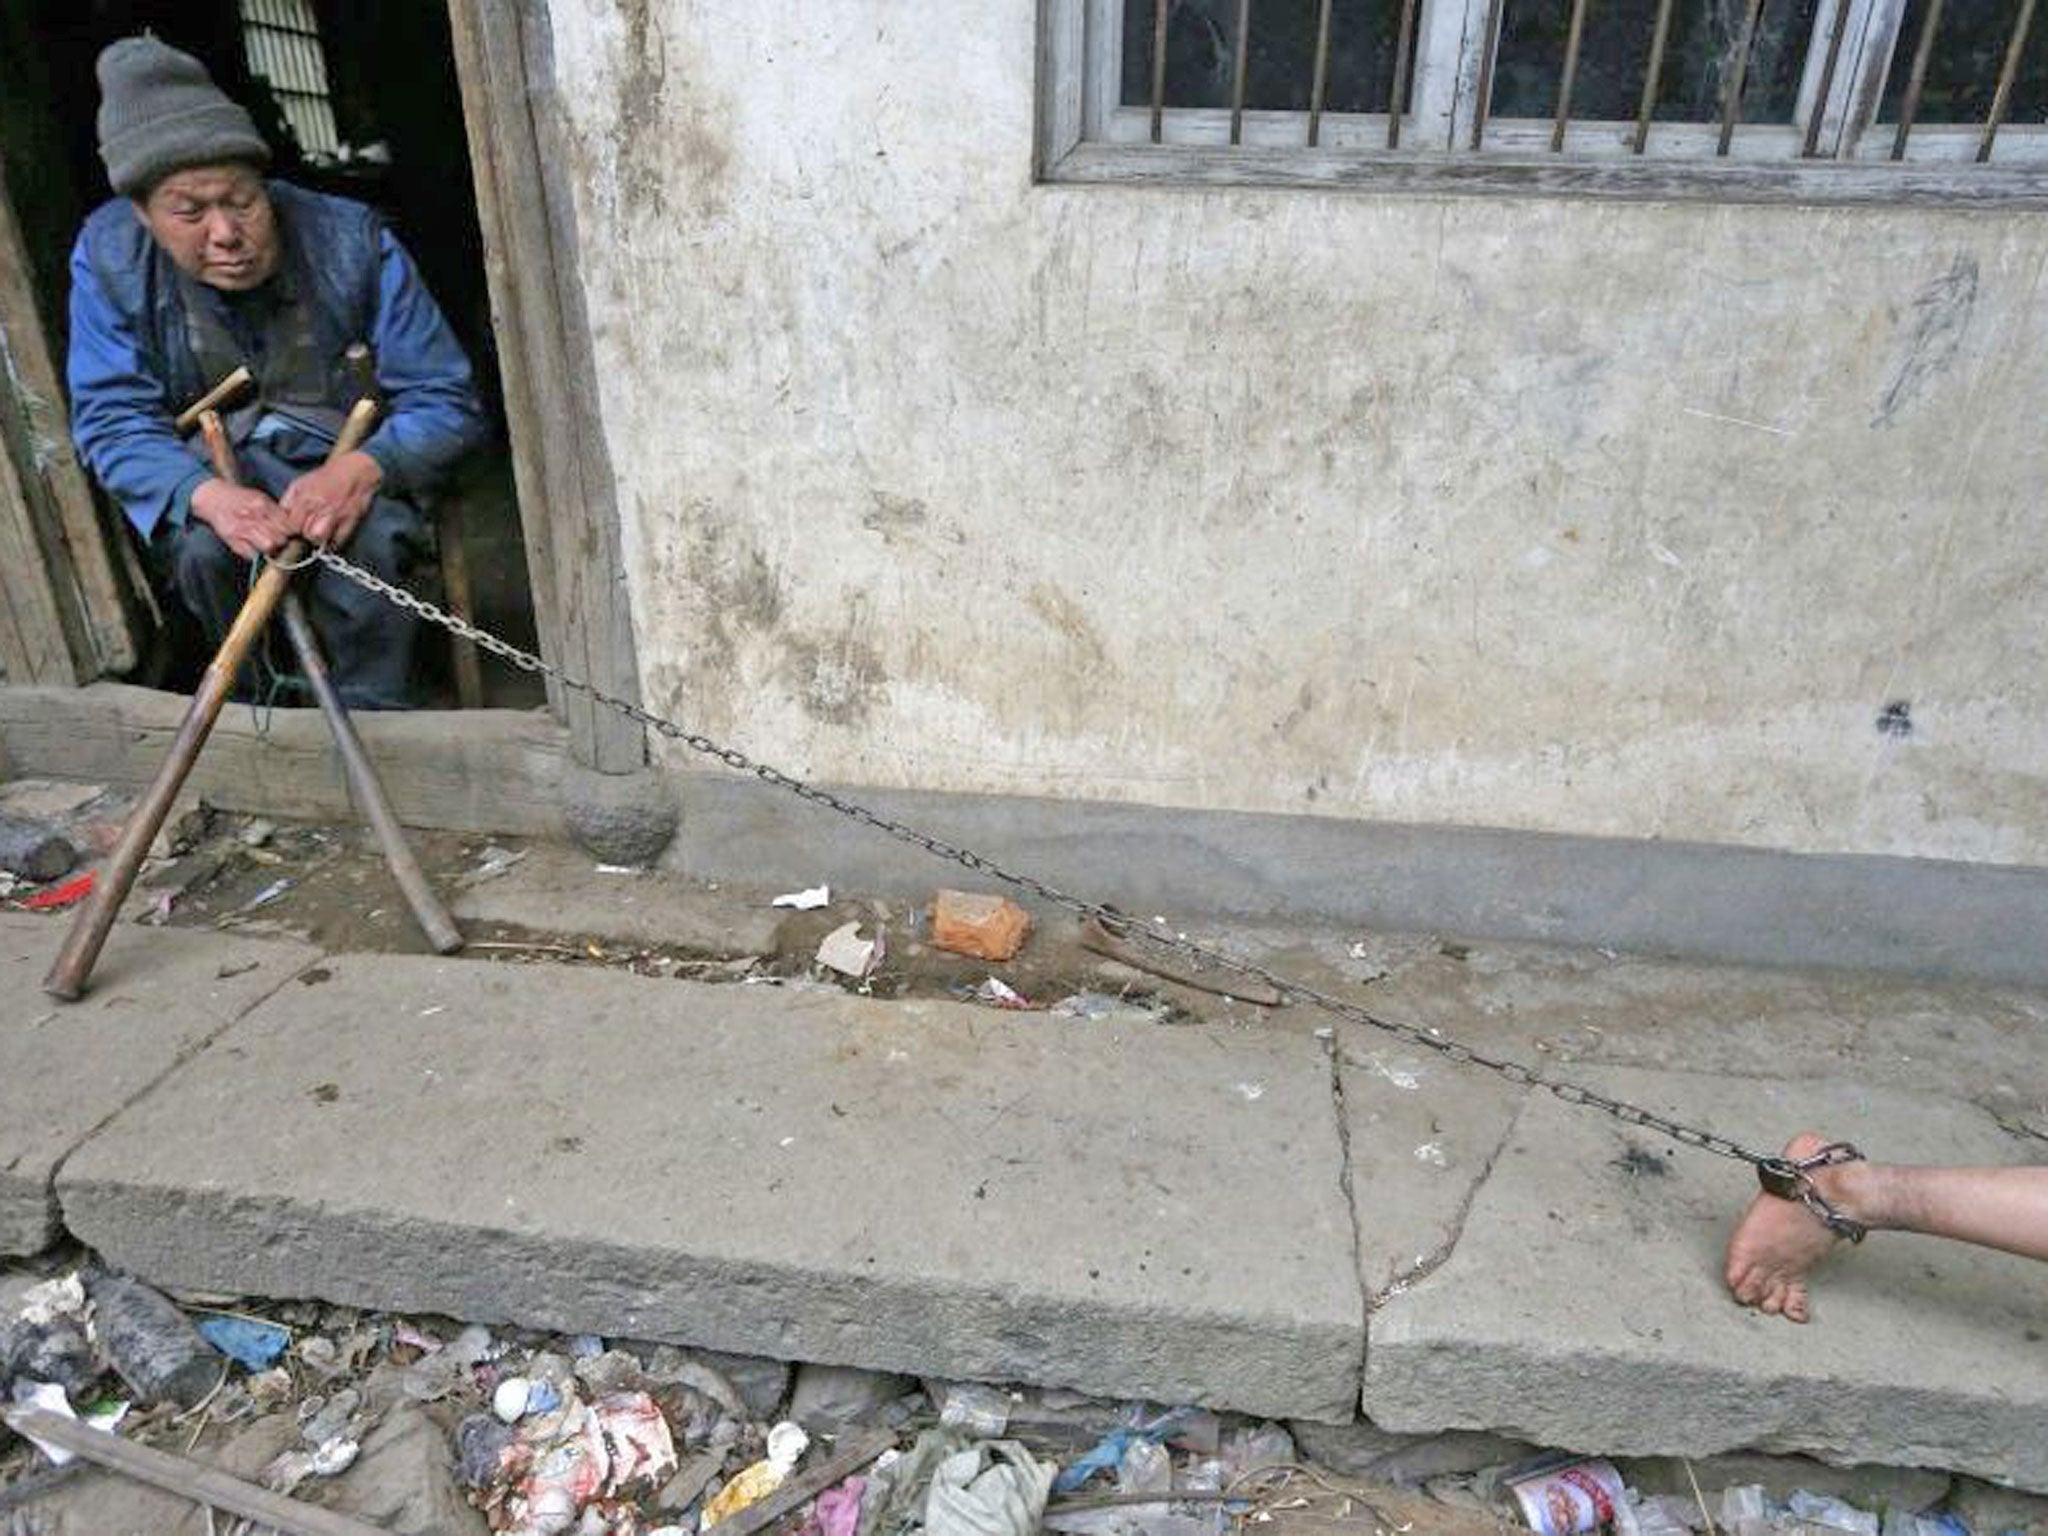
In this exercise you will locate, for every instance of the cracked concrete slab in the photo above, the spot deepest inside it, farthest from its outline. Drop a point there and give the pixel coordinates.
(1421, 1134)
(1582, 1305)
(922, 1187)
(558, 889)
(156, 997)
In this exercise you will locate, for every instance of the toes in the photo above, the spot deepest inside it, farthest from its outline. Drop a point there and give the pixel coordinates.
(1795, 1304)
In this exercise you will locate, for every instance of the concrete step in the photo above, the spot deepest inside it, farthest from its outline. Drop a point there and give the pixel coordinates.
(922, 1187)
(1574, 1297)
(65, 1069)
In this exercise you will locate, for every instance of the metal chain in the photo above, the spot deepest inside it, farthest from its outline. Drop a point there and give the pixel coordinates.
(1427, 1039)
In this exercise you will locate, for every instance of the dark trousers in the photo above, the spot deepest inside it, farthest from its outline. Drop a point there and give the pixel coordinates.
(368, 642)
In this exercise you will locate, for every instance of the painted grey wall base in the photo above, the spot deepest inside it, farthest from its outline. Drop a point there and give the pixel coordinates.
(500, 771)
(1920, 916)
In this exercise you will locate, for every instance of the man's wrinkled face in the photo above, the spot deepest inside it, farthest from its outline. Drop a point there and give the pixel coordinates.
(216, 223)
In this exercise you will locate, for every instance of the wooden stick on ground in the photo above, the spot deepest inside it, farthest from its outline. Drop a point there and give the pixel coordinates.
(799, 1491)
(363, 782)
(186, 1478)
(95, 920)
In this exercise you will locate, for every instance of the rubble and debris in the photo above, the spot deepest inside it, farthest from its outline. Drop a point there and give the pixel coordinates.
(992, 1488)
(34, 850)
(55, 898)
(984, 927)
(1560, 1496)
(846, 952)
(998, 993)
(151, 1345)
(493, 862)
(250, 1342)
(786, 1444)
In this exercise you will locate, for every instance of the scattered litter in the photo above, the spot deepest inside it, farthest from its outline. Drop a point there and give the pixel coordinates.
(836, 1511)
(267, 895)
(517, 1397)
(619, 869)
(1432, 1153)
(53, 1299)
(294, 1467)
(52, 1399)
(57, 897)
(808, 900)
(1560, 1496)
(253, 1345)
(258, 831)
(1105, 1007)
(974, 1409)
(986, 927)
(493, 862)
(846, 952)
(996, 1488)
(786, 1445)
(998, 993)
(1253, 1092)
(152, 1345)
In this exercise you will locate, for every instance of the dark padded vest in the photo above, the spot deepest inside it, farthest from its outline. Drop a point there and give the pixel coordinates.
(330, 263)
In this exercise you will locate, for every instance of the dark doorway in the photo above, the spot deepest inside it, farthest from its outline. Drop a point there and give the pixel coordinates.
(359, 100)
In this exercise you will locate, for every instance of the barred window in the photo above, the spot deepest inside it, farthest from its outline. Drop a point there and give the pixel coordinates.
(1801, 99)
(281, 39)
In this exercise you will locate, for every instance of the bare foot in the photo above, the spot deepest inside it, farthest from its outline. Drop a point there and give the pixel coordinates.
(1776, 1245)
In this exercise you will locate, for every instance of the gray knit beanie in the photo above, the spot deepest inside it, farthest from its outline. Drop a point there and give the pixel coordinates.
(160, 112)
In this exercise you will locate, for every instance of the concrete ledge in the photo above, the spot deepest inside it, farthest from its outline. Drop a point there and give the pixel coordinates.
(500, 771)
(916, 1187)
(478, 770)
(1578, 1302)
(66, 1068)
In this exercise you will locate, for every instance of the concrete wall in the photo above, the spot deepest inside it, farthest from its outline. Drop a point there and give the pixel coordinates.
(1624, 520)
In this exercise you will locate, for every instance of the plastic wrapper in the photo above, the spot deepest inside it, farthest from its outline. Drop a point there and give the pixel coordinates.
(786, 1443)
(996, 1488)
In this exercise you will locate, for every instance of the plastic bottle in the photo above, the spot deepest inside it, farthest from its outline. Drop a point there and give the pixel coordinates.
(153, 1345)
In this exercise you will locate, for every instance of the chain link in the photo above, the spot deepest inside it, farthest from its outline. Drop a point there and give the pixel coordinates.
(1203, 957)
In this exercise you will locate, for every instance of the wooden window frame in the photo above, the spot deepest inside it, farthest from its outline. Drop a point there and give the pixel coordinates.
(1086, 135)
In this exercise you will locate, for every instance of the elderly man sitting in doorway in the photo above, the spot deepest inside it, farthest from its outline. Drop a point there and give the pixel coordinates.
(199, 266)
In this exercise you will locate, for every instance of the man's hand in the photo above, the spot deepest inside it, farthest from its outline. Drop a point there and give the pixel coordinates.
(325, 504)
(248, 521)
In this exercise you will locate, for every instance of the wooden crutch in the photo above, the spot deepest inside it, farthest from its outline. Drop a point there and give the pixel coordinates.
(95, 918)
(363, 783)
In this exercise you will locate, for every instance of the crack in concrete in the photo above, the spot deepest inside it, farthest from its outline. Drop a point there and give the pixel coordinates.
(184, 1058)
(1440, 1255)
(1333, 1054)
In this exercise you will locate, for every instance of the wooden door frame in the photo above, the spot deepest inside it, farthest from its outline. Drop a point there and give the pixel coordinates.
(65, 619)
(568, 501)
(64, 606)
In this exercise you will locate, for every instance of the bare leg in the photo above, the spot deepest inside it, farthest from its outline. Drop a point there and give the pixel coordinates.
(1778, 1242)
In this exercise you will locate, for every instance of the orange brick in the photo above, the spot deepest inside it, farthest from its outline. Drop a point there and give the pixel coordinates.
(987, 927)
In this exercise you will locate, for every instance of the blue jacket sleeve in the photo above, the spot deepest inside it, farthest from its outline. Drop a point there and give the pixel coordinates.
(432, 413)
(120, 419)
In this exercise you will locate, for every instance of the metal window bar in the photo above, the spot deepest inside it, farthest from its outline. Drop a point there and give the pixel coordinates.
(1319, 84)
(1484, 102)
(1653, 75)
(1575, 32)
(1158, 69)
(1818, 115)
(281, 40)
(2002, 99)
(1909, 108)
(1237, 70)
(1738, 70)
(1397, 101)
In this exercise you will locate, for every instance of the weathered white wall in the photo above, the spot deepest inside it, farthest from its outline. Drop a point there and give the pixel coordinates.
(1578, 517)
